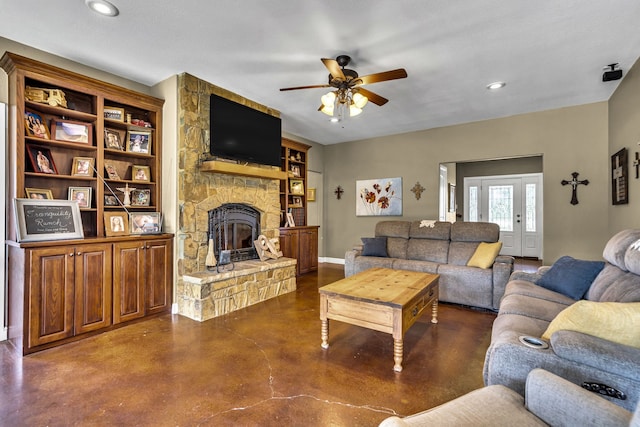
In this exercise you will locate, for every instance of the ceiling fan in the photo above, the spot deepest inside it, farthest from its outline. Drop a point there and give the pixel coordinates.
(348, 84)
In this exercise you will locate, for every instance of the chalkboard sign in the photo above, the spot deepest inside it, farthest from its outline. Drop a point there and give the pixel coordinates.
(48, 220)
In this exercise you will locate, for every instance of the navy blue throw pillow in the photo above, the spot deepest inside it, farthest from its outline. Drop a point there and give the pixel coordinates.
(375, 246)
(571, 277)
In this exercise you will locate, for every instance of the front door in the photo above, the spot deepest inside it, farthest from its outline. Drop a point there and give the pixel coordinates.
(514, 203)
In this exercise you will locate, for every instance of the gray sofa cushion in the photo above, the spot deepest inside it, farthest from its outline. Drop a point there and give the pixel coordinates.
(397, 234)
(413, 265)
(523, 287)
(462, 231)
(609, 274)
(531, 306)
(455, 285)
(428, 250)
(617, 246)
(461, 252)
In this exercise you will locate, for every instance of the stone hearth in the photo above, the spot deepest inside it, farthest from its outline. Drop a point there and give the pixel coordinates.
(200, 191)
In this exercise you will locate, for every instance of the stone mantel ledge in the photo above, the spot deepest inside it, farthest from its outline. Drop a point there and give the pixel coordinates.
(242, 268)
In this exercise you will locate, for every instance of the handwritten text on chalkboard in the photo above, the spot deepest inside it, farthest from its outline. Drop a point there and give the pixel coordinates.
(48, 219)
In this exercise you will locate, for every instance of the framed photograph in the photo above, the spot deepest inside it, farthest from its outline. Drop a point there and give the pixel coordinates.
(82, 166)
(140, 197)
(620, 178)
(68, 131)
(296, 186)
(111, 201)
(113, 140)
(295, 170)
(139, 142)
(311, 195)
(452, 198)
(116, 223)
(39, 193)
(290, 221)
(41, 160)
(145, 223)
(35, 126)
(114, 113)
(82, 195)
(111, 171)
(140, 173)
(296, 202)
(63, 220)
(379, 197)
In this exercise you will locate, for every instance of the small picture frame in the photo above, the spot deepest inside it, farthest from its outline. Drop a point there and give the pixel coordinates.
(82, 166)
(114, 113)
(140, 173)
(111, 201)
(113, 140)
(139, 142)
(290, 221)
(296, 202)
(116, 224)
(35, 126)
(81, 195)
(296, 187)
(41, 160)
(145, 223)
(112, 173)
(38, 194)
(140, 197)
(29, 228)
(295, 170)
(311, 195)
(70, 131)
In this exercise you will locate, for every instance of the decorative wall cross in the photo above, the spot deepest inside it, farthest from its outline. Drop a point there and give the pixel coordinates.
(338, 192)
(574, 184)
(417, 190)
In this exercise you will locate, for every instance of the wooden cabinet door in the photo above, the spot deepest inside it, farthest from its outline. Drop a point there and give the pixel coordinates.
(159, 254)
(128, 281)
(93, 268)
(289, 243)
(51, 289)
(308, 253)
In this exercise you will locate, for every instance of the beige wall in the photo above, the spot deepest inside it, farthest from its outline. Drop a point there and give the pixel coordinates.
(624, 131)
(569, 139)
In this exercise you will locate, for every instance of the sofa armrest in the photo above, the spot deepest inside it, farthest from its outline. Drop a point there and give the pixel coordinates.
(598, 353)
(350, 260)
(557, 401)
(502, 269)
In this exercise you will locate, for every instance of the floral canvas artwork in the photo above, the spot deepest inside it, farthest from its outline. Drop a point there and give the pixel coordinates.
(378, 197)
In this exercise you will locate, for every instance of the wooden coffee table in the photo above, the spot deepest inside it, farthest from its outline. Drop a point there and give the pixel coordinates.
(381, 299)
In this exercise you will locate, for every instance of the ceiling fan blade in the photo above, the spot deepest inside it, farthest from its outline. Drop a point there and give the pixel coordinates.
(334, 68)
(373, 97)
(400, 73)
(303, 87)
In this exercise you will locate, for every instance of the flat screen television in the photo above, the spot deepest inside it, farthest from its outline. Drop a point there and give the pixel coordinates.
(241, 133)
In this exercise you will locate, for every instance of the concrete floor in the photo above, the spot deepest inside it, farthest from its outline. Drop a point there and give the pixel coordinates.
(260, 366)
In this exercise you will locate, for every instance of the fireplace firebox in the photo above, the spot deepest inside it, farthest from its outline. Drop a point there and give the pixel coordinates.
(234, 227)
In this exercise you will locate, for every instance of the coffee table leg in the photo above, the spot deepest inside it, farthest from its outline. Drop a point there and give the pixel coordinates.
(398, 350)
(325, 333)
(434, 312)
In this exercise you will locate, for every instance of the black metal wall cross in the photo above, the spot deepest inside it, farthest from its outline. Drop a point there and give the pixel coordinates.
(574, 184)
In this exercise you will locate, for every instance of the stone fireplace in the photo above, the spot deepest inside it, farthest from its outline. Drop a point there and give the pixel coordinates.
(202, 294)
(234, 227)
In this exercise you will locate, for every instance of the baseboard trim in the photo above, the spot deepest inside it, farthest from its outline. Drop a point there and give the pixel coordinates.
(174, 308)
(331, 260)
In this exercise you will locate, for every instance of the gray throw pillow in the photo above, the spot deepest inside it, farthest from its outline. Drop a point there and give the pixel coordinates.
(375, 246)
(571, 277)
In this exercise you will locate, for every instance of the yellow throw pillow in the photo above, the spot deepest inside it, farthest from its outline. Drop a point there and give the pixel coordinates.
(614, 321)
(485, 255)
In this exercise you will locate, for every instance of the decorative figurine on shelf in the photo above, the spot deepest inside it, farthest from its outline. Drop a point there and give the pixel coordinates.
(127, 192)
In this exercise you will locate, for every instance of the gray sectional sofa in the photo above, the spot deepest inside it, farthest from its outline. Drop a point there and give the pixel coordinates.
(527, 309)
(443, 248)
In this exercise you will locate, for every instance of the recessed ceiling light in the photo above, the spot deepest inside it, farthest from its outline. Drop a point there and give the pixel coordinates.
(102, 7)
(496, 85)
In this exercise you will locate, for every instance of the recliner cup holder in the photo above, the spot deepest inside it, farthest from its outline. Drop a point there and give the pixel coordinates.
(533, 342)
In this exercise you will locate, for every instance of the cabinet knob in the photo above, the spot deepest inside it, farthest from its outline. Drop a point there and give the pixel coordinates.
(78, 253)
(71, 254)
(142, 247)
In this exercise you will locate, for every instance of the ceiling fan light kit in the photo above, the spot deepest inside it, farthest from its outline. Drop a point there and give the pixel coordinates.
(350, 97)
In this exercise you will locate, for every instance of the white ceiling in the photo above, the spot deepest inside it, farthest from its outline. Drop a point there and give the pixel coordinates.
(551, 53)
